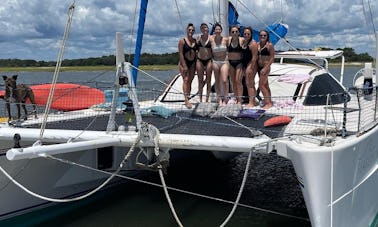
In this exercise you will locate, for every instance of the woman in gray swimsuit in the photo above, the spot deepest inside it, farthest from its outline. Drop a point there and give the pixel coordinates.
(187, 58)
(220, 64)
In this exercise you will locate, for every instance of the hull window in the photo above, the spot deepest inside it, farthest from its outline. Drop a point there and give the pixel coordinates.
(105, 157)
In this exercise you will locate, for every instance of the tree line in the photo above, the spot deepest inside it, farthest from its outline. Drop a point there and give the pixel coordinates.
(147, 59)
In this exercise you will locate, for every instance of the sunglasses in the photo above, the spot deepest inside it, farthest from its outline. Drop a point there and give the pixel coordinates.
(191, 30)
(262, 35)
(233, 32)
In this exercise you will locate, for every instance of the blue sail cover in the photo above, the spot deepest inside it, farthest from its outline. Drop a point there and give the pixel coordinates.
(233, 15)
(138, 45)
(273, 29)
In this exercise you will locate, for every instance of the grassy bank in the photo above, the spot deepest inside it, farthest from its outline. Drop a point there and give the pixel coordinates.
(110, 68)
(83, 68)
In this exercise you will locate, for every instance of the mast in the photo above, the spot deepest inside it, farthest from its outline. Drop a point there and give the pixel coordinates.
(223, 16)
(376, 58)
(138, 45)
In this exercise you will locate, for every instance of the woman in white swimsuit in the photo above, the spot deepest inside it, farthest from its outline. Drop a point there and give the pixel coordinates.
(220, 64)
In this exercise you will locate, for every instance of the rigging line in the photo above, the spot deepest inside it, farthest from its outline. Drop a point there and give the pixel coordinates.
(132, 30)
(57, 67)
(281, 11)
(212, 8)
(179, 190)
(371, 17)
(241, 125)
(85, 129)
(282, 38)
(155, 78)
(179, 15)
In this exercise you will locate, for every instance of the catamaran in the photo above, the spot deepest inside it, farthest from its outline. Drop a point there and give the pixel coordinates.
(326, 130)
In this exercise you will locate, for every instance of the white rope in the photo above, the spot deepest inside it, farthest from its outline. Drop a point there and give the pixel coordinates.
(240, 191)
(177, 190)
(169, 199)
(156, 134)
(57, 68)
(127, 156)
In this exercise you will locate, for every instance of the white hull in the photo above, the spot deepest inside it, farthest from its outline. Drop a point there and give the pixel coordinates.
(345, 173)
(49, 178)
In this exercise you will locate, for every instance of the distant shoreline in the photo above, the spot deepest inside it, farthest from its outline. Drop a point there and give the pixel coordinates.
(112, 68)
(84, 68)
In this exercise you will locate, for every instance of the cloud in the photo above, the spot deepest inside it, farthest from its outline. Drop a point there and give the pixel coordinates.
(33, 29)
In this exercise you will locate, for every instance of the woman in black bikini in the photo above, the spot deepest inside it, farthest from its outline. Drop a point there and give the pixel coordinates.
(204, 62)
(234, 49)
(249, 64)
(265, 57)
(187, 58)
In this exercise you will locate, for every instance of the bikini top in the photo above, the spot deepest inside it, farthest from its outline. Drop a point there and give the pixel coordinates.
(263, 51)
(247, 55)
(187, 47)
(207, 44)
(238, 48)
(219, 48)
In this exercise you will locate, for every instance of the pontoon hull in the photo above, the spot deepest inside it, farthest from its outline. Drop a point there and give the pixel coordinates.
(49, 178)
(347, 171)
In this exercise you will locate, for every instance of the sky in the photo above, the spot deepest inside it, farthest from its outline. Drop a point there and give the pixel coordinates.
(33, 29)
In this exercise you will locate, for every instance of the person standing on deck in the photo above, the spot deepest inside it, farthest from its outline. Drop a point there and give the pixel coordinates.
(220, 64)
(265, 58)
(204, 61)
(249, 64)
(187, 58)
(235, 49)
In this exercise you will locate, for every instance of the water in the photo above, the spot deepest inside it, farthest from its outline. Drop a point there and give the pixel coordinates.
(271, 185)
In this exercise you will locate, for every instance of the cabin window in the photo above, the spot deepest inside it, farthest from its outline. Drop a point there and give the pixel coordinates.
(321, 86)
(105, 157)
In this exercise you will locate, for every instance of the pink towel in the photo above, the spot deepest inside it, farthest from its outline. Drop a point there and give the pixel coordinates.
(294, 78)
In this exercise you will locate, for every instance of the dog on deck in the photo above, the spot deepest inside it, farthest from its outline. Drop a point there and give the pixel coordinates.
(18, 94)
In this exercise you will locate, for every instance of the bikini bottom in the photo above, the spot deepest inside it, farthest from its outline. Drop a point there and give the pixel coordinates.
(204, 61)
(220, 63)
(189, 63)
(234, 63)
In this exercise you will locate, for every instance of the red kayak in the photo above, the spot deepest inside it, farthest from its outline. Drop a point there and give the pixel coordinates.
(67, 96)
